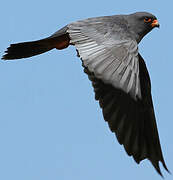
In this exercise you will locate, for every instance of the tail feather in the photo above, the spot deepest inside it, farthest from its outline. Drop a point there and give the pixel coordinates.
(28, 49)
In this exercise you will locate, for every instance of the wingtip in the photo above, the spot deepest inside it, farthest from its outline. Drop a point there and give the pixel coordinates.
(160, 173)
(164, 165)
(157, 167)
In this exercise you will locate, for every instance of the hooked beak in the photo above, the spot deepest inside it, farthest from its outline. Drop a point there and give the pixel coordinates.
(155, 23)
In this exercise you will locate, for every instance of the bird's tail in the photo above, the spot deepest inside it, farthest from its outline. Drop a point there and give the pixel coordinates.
(32, 48)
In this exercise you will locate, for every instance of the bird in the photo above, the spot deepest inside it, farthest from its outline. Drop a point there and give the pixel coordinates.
(108, 49)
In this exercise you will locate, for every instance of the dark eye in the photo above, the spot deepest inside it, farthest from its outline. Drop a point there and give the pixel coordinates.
(147, 19)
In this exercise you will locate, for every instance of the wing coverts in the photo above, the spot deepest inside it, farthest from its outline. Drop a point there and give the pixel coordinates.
(113, 61)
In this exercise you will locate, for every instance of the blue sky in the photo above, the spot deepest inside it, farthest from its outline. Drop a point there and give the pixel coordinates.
(50, 125)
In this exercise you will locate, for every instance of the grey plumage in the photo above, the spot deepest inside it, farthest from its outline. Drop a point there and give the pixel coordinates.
(108, 48)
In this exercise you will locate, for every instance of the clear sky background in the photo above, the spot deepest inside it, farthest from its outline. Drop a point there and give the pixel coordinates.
(50, 125)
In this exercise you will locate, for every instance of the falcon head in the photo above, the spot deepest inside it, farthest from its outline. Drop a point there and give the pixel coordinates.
(140, 23)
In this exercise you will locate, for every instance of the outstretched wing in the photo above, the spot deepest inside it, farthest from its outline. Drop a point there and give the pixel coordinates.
(122, 86)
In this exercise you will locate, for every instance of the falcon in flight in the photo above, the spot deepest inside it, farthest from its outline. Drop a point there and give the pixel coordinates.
(108, 49)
